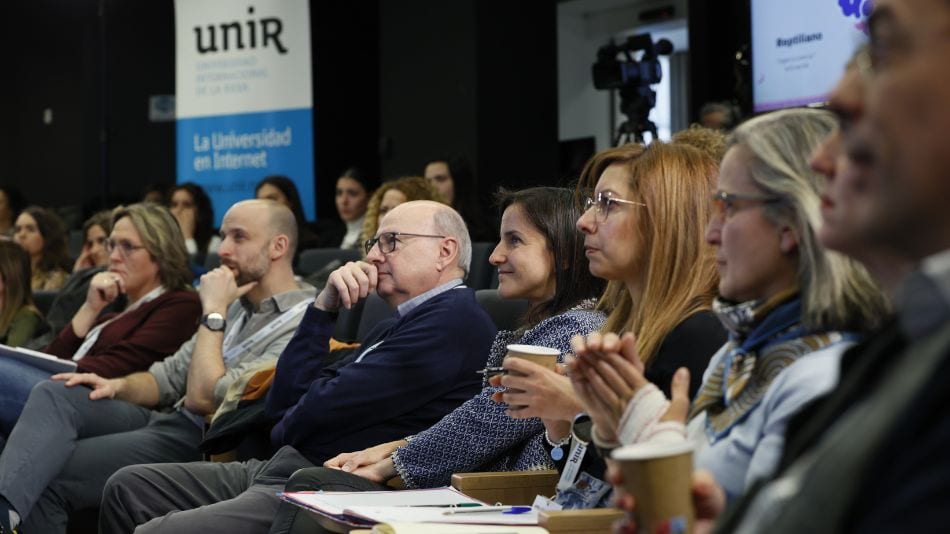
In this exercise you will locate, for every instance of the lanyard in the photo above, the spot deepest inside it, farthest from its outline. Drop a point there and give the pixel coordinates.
(93, 335)
(230, 352)
(573, 465)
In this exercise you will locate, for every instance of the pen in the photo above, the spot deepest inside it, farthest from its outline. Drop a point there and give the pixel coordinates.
(492, 371)
(459, 505)
(480, 509)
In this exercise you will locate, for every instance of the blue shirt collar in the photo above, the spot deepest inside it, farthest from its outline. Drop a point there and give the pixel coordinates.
(416, 301)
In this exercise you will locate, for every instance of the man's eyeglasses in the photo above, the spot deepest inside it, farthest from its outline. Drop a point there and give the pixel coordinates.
(602, 202)
(725, 205)
(126, 248)
(387, 241)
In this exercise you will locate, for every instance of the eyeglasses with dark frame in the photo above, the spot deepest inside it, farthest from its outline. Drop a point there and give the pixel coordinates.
(387, 241)
(725, 205)
(602, 201)
(126, 248)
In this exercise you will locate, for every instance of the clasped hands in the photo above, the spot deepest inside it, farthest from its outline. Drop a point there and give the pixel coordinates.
(608, 372)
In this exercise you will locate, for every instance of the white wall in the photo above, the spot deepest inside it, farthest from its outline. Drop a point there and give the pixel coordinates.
(583, 27)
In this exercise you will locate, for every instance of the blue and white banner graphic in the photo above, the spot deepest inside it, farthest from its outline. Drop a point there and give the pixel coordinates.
(244, 97)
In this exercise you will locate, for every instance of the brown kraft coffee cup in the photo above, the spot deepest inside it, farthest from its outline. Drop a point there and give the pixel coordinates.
(543, 356)
(659, 476)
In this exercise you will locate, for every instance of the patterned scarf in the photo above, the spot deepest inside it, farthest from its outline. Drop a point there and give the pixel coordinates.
(765, 337)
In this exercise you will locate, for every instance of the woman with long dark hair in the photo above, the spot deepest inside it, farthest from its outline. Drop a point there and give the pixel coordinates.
(282, 190)
(191, 206)
(41, 233)
(20, 321)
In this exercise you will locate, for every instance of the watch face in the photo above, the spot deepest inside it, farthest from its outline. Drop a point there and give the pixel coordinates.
(214, 321)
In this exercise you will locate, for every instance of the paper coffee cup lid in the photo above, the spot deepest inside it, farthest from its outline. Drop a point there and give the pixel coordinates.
(534, 349)
(647, 451)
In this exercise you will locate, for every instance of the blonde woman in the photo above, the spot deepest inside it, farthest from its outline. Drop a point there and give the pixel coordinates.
(643, 231)
(148, 282)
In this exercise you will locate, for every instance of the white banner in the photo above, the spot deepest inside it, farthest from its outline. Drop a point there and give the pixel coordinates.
(244, 96)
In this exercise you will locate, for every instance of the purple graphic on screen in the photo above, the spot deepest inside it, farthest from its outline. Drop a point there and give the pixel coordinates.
(859, 9)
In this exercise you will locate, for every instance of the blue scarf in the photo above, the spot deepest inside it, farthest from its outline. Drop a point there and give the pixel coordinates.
(765, 337)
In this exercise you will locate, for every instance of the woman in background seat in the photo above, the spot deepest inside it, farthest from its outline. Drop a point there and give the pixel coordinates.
(20, 321)
(41, 233)
(93, 259)
(191, 206)
(147, 279)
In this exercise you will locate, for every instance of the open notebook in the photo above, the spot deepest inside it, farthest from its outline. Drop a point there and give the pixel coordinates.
(40, 360)
(365, 508)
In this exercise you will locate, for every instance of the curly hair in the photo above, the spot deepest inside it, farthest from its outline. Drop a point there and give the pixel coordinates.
(414, 187)
(709, 141)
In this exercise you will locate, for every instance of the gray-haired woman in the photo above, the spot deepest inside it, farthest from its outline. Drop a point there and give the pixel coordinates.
(791, 308)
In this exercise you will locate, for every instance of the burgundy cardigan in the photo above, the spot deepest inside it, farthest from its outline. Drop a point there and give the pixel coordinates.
(131, 343)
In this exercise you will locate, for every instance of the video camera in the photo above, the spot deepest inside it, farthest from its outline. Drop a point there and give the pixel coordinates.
(633, 78)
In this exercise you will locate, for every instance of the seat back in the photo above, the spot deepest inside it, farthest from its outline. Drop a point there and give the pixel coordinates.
(314, 259)
(480, 271)
(44, 299)
(75, 242)
(505, 313)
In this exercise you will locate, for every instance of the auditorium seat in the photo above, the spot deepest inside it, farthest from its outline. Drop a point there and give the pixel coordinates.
(480, 271)
(506, 313)
(314, 259)
(44, 299)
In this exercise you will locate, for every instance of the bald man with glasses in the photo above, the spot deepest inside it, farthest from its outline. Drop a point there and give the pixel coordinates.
(407, 375)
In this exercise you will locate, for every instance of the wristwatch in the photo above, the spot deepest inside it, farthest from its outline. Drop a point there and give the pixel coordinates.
(214, 322)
